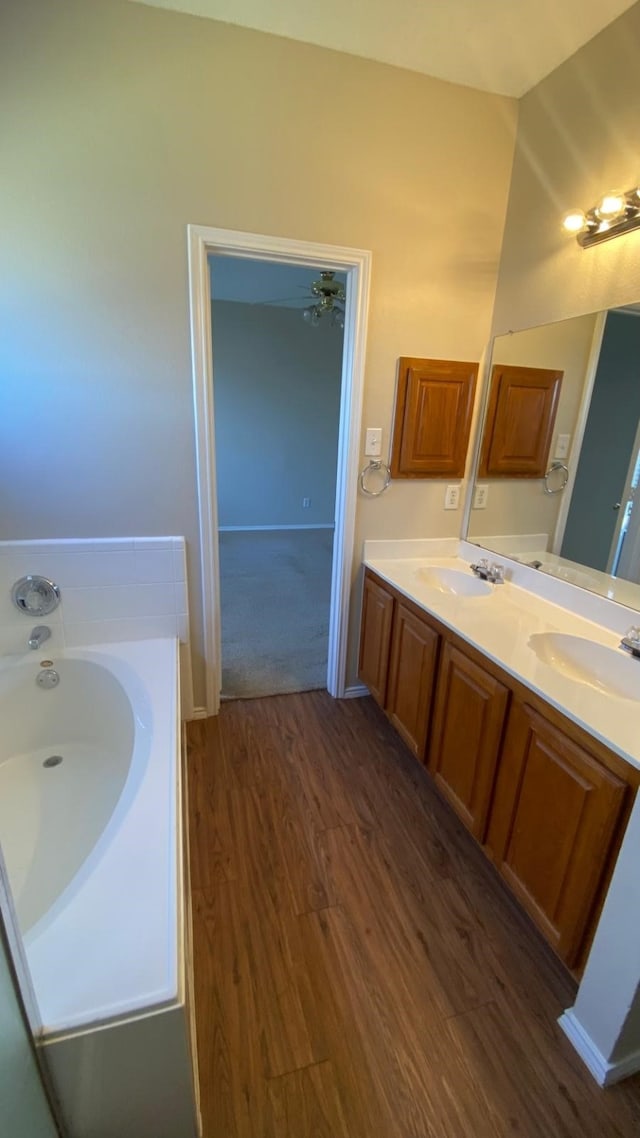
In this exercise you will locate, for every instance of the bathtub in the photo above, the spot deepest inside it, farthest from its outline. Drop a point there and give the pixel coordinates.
(91, 832)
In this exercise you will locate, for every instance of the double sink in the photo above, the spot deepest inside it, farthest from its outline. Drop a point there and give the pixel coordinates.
(577, 658)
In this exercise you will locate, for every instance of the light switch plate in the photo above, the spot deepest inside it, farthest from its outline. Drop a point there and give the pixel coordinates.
(373, 442)
(562, 446)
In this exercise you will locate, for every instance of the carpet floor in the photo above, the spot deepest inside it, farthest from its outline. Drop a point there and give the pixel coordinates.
(275, 592)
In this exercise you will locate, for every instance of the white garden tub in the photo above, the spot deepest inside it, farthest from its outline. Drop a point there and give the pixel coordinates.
(90, 828)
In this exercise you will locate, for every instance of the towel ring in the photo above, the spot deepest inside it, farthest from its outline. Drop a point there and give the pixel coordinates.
(555, 466)
(375, 464)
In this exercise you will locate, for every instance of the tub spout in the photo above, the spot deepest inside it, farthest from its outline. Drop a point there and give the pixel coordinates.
(39, 635)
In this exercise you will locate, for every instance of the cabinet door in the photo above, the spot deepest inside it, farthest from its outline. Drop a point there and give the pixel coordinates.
(469, 717)
(414, 653)
(520, 416)
(434, 402)
(553, 821)
(375, 637)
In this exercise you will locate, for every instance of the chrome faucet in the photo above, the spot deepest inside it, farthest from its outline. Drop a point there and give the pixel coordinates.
(631, 641)
(39, 635)
(493, 572)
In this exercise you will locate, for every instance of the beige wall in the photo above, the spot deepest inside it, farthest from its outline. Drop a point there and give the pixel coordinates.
(520, 505)
(577, 138)
(120, 124)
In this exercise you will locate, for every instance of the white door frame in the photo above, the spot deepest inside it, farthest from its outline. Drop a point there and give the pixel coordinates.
(203, 240)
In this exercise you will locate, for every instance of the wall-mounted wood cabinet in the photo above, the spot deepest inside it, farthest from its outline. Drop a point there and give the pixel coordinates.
(432, 419)
(518, 428)
(547, 802)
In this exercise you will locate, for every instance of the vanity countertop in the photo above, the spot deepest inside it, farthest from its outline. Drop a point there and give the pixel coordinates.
(501, 624)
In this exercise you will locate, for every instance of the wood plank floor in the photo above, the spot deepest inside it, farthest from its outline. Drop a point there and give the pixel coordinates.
(359, 970)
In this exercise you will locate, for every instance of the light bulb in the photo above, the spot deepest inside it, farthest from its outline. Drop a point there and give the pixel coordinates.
(574, 221)
(611, 207)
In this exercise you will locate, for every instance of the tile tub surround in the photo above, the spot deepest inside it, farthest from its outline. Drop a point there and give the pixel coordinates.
(112, 589)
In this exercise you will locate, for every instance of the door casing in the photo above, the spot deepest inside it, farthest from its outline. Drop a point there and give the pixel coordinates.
(356, 263)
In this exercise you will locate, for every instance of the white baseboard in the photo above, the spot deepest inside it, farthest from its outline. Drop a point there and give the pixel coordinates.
(258, 529)
(604, 1072)
(355, 691)
(199, 713)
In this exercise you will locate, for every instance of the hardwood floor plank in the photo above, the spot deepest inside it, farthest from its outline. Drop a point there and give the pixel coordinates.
(360, 969)
(307, 1102)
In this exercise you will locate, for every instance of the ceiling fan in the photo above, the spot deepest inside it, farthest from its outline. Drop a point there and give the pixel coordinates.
(328, 296)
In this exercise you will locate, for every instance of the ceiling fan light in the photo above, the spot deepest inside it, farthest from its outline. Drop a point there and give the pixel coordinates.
(312, 315)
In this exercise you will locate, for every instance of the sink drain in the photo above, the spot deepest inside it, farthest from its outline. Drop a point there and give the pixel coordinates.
(52, 761)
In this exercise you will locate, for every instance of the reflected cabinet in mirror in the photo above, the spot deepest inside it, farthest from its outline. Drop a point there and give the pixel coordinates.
(565, 394)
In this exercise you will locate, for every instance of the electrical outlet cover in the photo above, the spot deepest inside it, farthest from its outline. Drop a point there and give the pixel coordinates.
(452, 497)
(480, 497)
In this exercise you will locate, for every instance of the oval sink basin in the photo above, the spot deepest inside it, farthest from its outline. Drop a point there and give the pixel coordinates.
(452, 581)
(608, 669)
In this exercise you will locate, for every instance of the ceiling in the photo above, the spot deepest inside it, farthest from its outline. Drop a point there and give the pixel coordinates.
(504, 46)
(259, 282)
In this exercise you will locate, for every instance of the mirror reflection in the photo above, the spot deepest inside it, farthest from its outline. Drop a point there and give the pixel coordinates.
(587, 532)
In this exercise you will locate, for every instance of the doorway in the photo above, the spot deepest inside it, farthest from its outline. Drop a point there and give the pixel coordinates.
(355, 264)
(277, 368)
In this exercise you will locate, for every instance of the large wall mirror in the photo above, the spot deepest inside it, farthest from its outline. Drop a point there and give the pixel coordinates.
(589, 531)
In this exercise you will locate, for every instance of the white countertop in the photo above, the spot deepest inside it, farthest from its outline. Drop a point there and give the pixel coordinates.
(500, 625)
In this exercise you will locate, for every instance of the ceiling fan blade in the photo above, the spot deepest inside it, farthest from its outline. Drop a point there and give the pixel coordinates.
(282, 300)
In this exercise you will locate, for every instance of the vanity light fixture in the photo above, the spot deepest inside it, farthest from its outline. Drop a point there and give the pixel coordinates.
(615, 213)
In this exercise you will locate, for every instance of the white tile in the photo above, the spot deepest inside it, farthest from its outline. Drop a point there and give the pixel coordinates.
(179, 564)
(153, 565)
(180, 595)
(68, 545)
(91, 570)
(79, 634)
(152, 543)
(11, 617)
(112, 603)
(14, 640)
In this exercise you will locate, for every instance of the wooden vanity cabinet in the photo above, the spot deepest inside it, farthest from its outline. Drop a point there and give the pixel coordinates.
(553, 821)
(375, 636)
(398, 657)
(412, 670)
(547, 801)
(470, 711)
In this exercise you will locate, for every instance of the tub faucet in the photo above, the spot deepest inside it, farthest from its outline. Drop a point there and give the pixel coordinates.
(39, 635)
